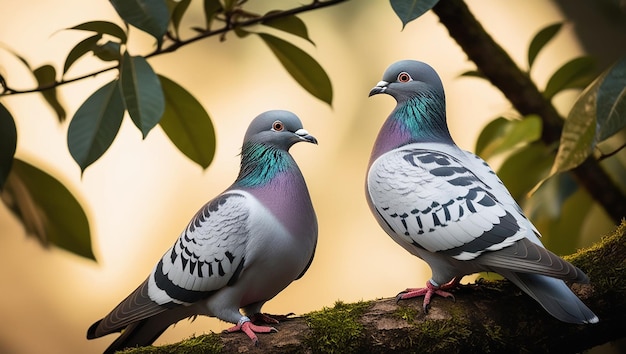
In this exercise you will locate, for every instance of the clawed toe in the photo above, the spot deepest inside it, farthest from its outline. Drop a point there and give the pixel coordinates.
(445, 294)
(428, 292)
(411, 293)
(426, 308)
(246, 326)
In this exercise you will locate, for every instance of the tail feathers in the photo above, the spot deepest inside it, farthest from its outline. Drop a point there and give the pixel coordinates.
(138, 334)
(144, 332)
(91, 332)
(528, 257)
(555, 297)
(137, 306)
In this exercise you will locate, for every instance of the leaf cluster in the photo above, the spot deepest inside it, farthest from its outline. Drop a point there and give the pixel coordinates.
(586, 115)
(519, 140)
(150, 99)
(592, 122)
(596, 115)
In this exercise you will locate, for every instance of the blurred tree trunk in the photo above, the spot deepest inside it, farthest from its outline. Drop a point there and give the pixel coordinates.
(494, 62)
(488, 317)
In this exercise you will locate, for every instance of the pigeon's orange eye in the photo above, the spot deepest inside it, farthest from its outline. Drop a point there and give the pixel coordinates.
(404, 77)
(278, 126)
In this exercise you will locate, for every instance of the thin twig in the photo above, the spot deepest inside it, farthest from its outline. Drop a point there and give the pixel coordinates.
(607, 155)
(177, 43)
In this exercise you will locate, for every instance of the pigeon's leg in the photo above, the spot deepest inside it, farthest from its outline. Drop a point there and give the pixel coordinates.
(267, 318)
(430, 290)
(244, 325)
(256, 316)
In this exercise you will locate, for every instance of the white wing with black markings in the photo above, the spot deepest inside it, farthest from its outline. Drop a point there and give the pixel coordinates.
(429, 198)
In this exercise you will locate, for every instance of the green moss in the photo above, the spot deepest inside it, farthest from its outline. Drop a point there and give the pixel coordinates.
(337, 329)
(433, 335)
(406, 313)
(206, 344)
(441, 335)
(605, 276)
(495, 338)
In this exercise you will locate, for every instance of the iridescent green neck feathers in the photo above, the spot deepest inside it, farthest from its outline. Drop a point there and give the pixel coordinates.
(423, 116)
(260, 163)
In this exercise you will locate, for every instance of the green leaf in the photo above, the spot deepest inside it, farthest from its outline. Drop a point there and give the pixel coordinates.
(565, 234)
(95, 124)
(524, 168)
(540, 40)
(82, 48)
(492, 132)
(48, 210)
(577, 73)
(19, 57)
(46, 75)
(142, 92)
(229, 5)
(409, 10)
(8, 142)
(302, 67)
(474, 73)
(290, 24)
(550, 197)
(151, 16)
(211, 9)
(103, 27)
(577, 139)
(557, 197)
(611, 102)
(177, 9)
(591, 121)
(240, 32)
(108, 51)
(187, 124)
(502, 135)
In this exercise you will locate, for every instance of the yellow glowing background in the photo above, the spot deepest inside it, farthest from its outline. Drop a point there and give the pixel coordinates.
(141, 194)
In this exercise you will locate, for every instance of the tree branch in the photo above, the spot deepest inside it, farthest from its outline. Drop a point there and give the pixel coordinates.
(176, 44)
(520, 90)
(488, 317)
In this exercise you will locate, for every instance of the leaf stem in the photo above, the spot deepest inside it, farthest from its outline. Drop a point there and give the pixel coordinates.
(177, 43)
(609, 154)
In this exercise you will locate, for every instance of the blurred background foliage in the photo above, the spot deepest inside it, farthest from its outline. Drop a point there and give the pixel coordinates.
(152, 99)
(587, 91)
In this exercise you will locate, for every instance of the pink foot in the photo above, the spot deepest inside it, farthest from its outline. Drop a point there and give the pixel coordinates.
(244, 325)
(428, 292)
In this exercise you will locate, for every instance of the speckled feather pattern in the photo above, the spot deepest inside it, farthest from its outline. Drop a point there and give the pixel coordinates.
(239, 250)
(448, 207)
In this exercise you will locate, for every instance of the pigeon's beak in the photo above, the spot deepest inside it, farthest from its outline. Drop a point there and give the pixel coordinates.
(380, 87)
(305, 136)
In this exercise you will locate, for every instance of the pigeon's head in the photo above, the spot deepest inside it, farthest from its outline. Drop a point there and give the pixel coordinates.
(278, 128)
(406, 79)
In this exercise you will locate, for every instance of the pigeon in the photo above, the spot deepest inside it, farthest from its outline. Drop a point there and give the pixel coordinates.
(240, 249)
(446, 205)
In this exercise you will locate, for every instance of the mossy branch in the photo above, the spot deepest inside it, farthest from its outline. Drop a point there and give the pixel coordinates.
(486, 317)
